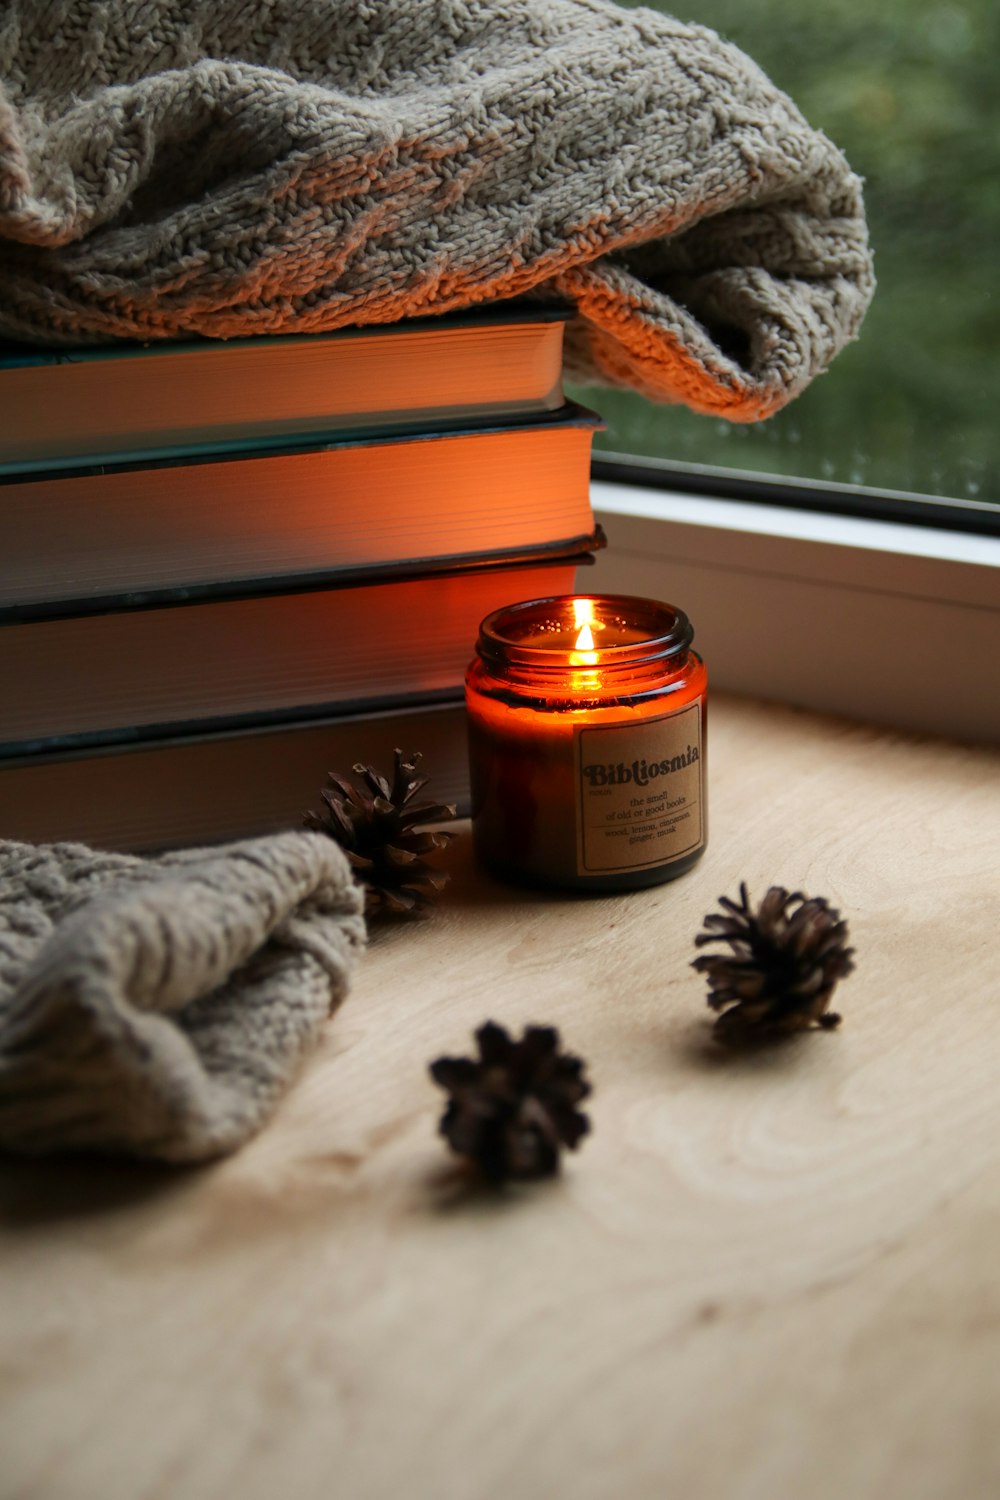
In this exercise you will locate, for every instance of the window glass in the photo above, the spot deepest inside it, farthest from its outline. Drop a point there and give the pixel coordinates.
(907, 89)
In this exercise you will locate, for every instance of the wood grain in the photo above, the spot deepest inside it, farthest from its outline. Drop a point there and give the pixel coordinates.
(761, 1277)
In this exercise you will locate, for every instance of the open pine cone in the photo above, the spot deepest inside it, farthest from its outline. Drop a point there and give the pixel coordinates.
(376, 824)
(512, 1109)
(783, 965)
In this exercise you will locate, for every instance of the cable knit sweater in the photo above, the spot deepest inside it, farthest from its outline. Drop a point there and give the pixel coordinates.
(232, 167)
(160, 1007)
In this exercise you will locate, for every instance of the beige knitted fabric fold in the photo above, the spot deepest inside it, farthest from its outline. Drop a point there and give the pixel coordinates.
(229, 167)
(161, 1007)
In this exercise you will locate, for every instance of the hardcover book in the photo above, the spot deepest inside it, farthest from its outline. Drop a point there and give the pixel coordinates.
(319, 650)
(353, 504)
(172, 792)
(61, 407)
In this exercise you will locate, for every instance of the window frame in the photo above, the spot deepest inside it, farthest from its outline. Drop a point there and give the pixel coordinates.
(939, 511)
(854, 614)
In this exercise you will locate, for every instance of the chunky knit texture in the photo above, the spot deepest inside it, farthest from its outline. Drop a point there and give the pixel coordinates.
(231, 167)
(161, 1007)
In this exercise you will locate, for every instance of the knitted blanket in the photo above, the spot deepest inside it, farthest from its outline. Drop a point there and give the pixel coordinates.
(161, 1007)
(232, 167)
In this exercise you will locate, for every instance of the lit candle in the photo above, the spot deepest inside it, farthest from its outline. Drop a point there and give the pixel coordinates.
(587, 743)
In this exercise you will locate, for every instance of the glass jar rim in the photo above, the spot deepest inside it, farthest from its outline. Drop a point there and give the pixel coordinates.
(667, 632)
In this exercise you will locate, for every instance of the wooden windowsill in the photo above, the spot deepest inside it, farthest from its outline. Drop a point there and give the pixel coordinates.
(762, 1275)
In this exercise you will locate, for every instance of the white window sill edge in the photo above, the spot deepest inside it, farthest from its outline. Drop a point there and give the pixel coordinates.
(888, 623)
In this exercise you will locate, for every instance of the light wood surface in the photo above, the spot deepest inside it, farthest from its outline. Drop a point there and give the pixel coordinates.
(771, 1277)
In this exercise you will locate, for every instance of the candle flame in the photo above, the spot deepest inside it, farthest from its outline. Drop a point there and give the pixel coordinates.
(583, 612)
(583, 653)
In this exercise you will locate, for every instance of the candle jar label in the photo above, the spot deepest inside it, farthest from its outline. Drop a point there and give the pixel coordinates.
(641, 791)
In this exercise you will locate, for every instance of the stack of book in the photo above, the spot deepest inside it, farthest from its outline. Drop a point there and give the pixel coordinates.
(227, 568)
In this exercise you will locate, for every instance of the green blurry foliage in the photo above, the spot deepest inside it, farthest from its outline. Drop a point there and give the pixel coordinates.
(908, 90)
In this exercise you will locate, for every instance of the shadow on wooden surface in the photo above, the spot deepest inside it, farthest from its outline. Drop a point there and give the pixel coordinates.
(769, 1053)
(457, 1187)
(36, 1191)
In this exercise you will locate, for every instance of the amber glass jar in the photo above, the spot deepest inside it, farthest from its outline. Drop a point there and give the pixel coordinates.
(586, 724)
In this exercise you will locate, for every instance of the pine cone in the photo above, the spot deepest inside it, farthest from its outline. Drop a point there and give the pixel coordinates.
(512, 1109)
(784, 963)
(375, 824)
